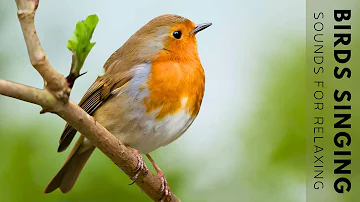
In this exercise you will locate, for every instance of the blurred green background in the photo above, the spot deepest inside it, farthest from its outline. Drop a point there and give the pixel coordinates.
(248, 142)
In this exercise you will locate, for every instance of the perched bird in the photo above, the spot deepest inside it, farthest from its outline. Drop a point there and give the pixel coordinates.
(148, 97)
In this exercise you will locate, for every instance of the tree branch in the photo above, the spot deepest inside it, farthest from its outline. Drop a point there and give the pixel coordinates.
(54, 81)
(26, 93)
(54, 98)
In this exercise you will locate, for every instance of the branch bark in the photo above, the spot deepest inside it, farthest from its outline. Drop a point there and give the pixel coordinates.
(55, 98)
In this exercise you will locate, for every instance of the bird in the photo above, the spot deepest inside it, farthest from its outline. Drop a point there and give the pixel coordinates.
(149, 95)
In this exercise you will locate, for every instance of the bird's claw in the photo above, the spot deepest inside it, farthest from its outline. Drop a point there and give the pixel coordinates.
(139, 168)
(164, 189)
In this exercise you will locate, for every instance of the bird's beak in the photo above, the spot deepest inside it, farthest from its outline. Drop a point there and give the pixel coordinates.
(200, 27)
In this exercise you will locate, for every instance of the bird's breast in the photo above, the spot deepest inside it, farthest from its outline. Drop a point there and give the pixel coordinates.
(158, 105)
(175, 86)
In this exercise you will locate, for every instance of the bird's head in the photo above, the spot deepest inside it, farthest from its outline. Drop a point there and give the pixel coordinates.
(168, 36)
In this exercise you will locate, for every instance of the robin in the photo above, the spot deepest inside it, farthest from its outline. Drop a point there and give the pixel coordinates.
(148, 97)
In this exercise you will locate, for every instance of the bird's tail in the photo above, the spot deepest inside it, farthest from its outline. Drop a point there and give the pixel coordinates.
(68, 174)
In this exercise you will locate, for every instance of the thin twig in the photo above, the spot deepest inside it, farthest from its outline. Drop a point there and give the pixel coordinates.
(54, 81)
(26, 93)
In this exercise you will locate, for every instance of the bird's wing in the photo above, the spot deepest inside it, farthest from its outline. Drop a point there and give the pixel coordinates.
(97, 94)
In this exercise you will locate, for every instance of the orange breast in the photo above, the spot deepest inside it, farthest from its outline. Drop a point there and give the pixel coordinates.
(175, 85)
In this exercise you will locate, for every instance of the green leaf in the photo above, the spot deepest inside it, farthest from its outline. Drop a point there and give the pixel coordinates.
(80, 44)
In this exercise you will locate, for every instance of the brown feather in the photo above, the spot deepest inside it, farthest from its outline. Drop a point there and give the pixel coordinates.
(89, 103)
(97, 94)
(68, 174)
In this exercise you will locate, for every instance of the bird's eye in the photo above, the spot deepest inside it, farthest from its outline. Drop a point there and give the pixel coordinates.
(177, 34)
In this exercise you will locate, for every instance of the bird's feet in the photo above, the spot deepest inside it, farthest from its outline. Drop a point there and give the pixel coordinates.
(164, 187)
(139, 168)
(165, 190)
